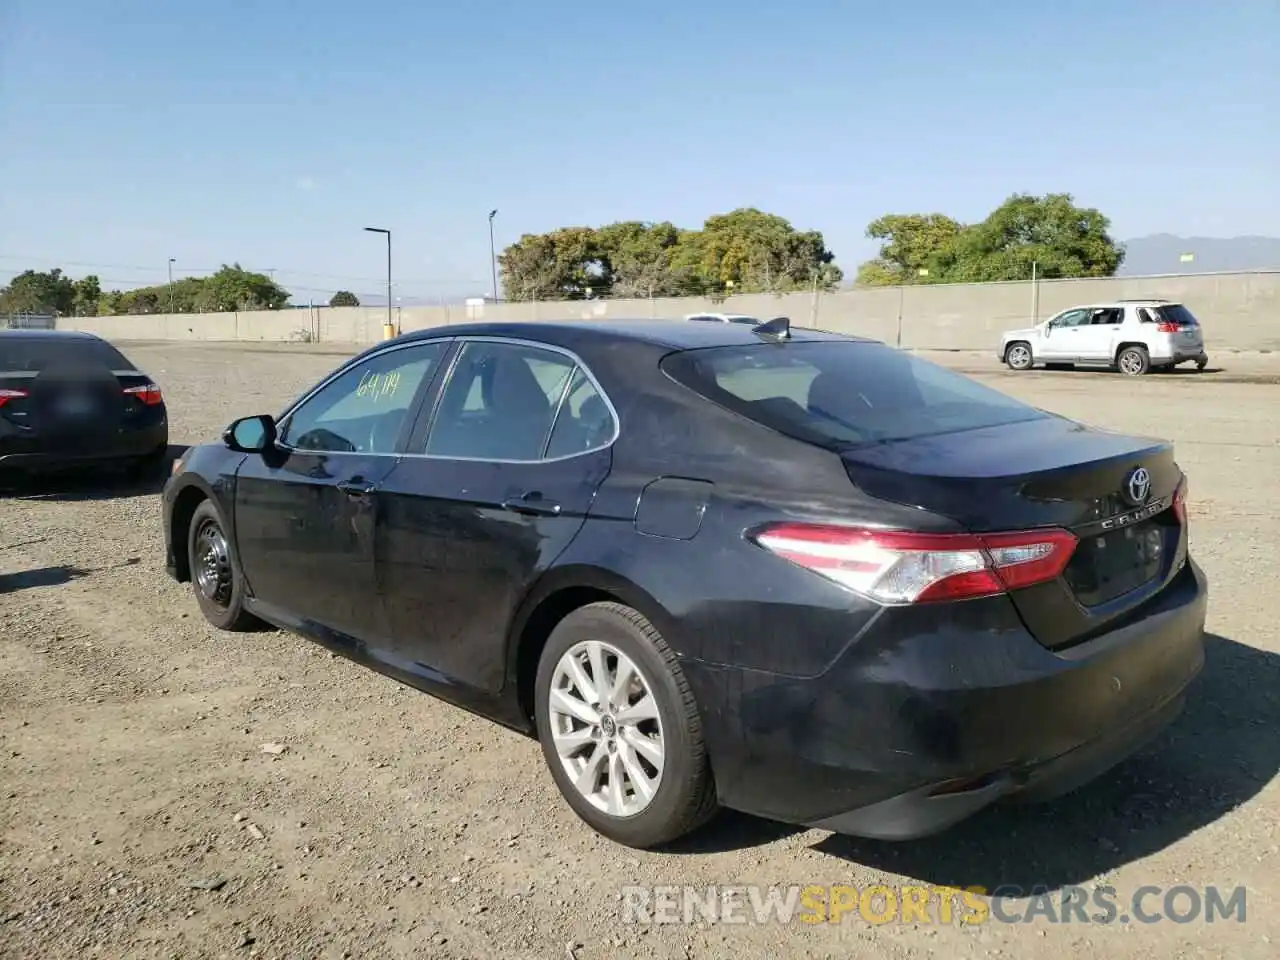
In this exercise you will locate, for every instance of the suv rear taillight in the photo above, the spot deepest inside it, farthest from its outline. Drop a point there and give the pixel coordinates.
(148, 393)
(1167, 327)
(6, 395)
(893, 566)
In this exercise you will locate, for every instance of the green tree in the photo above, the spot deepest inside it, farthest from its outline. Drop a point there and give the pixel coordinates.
(234, 288)
(565, 264)
(636, 258)
(86, 293)
(1061, 239)
(760, 252)
(34, 291)
(752, 249)
(344, 298)
(909, 243)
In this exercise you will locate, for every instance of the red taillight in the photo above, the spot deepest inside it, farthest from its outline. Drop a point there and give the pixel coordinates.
(1168, 327)
(899, 567)
(6, 395)
(148, 393)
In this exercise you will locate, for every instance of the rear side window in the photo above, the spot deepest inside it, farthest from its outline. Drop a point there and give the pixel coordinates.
(499, 403)
(33, 354)
(843, 394)
(1176, 313)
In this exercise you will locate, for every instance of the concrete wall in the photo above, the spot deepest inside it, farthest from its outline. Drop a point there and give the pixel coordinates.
(1239, 311)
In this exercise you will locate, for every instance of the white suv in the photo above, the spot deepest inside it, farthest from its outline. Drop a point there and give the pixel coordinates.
(722, 318)
(1132, 336)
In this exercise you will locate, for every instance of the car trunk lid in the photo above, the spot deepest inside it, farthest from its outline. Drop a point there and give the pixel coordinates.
(1116, 493)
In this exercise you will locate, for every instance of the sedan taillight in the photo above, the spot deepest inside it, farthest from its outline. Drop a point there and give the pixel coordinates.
(148, 393)
(900, 567)
(6, 395)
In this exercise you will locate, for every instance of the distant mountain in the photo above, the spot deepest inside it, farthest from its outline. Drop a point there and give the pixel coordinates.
(1163, 252)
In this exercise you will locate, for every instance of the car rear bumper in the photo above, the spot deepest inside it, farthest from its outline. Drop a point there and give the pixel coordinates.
(28, 454)
(923, 722)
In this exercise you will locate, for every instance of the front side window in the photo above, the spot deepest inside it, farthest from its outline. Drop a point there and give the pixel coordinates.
(841, 394)
(500, 402)
(363, 409)
(1072, 318)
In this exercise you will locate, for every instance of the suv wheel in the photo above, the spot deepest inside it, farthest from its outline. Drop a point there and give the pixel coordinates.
(1018, 356)
(1133, 361)
(619, 728)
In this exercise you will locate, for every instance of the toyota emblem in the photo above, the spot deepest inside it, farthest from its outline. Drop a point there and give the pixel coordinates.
(1138, 486)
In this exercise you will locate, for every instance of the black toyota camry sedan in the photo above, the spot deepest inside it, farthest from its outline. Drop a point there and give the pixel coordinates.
(71, 399)
(793, 573)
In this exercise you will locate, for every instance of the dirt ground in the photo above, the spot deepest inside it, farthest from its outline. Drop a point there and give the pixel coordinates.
(140, 816)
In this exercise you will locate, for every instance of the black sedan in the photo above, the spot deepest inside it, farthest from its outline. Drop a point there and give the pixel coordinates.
(72, 400)
(798, 574)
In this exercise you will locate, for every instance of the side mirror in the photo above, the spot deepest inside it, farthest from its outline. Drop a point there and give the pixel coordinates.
(251, 434)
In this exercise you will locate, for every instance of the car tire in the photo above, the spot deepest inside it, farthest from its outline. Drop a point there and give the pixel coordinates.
(1201, 363)
(1018, 356)
(600, 755)
(219, 589)
(1133, 361)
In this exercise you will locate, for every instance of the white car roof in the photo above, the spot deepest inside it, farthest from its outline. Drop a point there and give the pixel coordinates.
(1108, 304)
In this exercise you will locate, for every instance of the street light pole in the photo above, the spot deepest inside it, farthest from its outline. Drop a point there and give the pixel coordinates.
(493, 258)
(171, 307)
(388, 235)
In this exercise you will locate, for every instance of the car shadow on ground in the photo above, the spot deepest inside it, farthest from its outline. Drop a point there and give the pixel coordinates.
(102, 483)
(39, 577)
(1219, 754)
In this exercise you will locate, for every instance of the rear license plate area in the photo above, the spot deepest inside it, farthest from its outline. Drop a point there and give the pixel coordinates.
(1109, 565)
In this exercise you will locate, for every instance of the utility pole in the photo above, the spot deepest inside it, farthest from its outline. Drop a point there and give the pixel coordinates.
(388, 235)
(171, 299)
(1035, 294)
(493, 256)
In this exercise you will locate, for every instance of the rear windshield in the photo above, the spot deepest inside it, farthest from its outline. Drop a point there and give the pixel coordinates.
(1175, 313)
(21, 354)
(843, 394)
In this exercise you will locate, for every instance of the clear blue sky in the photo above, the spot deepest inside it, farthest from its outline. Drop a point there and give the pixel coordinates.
(270, 132)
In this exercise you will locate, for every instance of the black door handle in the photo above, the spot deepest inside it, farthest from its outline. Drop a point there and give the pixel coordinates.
(357, 487)
(533, 505)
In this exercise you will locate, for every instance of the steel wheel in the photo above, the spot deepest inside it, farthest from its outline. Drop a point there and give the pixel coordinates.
(1019, 356)
(606, 730)
(213, 564)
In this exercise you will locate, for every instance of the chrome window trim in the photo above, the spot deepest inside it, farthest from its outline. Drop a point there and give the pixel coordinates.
(536, 345)
(341, 371)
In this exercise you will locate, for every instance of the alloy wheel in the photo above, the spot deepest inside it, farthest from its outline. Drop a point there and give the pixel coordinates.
(606, 728)
(1130, 363)
(1019, 357)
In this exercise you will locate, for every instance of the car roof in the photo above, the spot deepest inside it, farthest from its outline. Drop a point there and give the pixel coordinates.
(28, 334)
(674, 334)
(1105, 304)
